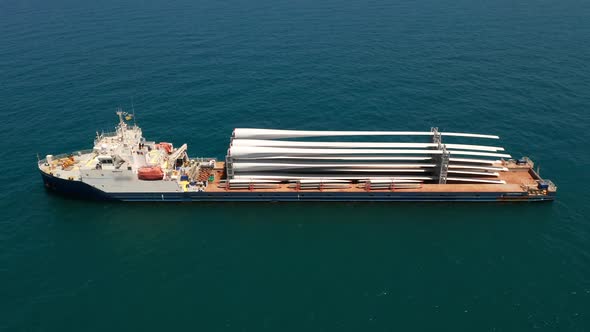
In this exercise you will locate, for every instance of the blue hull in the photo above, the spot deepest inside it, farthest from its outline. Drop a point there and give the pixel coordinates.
(77, 189)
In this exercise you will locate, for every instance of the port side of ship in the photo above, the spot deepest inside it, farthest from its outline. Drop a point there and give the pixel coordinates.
(80, 190)
(264, 165)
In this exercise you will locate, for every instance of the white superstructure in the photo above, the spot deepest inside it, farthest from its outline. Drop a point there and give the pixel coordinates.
(117, 158)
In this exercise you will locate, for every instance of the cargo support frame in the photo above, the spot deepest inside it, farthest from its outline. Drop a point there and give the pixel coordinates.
(442, 160)
(229, 167)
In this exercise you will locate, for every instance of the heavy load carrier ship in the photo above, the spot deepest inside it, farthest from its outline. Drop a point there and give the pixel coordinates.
(295, 165)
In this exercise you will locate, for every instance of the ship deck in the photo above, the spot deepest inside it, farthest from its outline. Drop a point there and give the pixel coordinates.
(519, 178)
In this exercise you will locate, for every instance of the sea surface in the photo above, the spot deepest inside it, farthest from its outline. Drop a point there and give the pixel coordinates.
(193, 70)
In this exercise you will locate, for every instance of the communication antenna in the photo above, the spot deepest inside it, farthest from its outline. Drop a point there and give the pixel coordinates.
(133, 111)
(120, 114)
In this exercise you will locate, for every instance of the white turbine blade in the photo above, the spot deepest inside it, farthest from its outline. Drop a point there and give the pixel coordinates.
(377, 170)
(304, 158)
(255, 133)
(481, 154)
(474, 173)
(479, 167)
(244, 151)
(299, 144)
(232, 181)
(274, 143)
(477, 180)
(389, 181)
(474, 147)
(476, 161)
(278, 166)
(326, 176)
(470, 135)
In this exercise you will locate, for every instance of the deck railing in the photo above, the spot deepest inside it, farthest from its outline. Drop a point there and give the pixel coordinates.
(552, 186)
(65, 155)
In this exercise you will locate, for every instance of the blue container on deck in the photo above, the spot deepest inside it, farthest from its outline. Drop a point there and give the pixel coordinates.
(184, 178)
(543, 185)
(521, 162)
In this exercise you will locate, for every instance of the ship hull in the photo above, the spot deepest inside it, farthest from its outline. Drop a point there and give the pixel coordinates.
(78, 189)
(72, 188)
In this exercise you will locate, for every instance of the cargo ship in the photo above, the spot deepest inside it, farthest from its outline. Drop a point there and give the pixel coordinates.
(297, 165)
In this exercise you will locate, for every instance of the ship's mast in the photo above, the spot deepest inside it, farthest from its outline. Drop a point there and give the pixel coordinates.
(133, 112)
(120, 114)
(122, 125)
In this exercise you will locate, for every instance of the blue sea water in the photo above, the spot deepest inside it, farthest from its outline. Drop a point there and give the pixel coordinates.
(197, 69)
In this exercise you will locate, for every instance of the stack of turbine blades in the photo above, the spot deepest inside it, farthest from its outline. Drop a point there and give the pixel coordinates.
(320, 180)
(320, 183)
(281, 155)
(249, 183)
(380, 184)
(393, 186)
(311, 186)
(248, 186)
(388, 181)
(406, 186)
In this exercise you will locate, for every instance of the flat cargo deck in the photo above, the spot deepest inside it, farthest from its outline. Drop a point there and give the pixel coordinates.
(518, 178)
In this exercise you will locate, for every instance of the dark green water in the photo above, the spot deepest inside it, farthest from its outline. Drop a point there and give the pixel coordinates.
(197, 69)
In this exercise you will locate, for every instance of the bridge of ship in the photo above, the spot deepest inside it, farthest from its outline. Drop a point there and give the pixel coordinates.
(123, 151)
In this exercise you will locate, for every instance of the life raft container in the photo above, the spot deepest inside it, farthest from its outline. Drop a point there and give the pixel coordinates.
(150, 173)
(165, 146)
